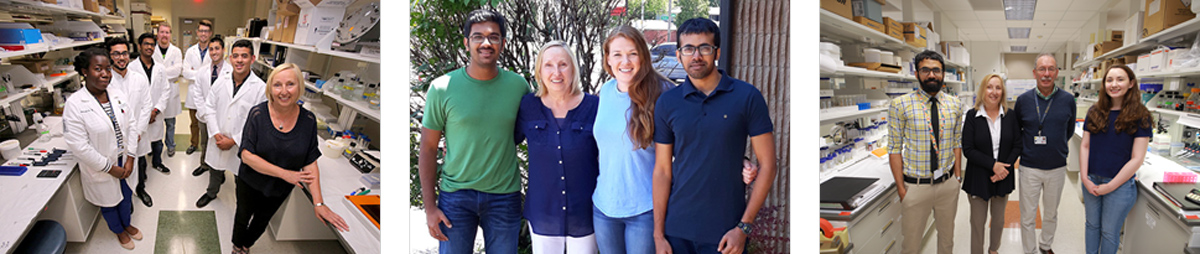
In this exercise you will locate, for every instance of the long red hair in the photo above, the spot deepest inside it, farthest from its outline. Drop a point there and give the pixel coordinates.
(643, 92)
(1133, 114)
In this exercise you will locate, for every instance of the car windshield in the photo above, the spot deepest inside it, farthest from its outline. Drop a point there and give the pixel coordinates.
(665, 49)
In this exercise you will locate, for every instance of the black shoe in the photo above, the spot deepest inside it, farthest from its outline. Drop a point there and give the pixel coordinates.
(199, 171)
(162, 168)
(191, 149)
(171, 152)
(204, 200)
(145, 197)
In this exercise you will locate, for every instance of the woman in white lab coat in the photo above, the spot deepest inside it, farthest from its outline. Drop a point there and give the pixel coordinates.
(96, 127)
(279, 151)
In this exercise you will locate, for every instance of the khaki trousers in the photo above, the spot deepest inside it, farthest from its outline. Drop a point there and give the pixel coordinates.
(1047, 186)
(942, 200)
(979, 215)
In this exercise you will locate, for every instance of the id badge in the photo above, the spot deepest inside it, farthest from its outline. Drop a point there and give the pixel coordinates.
(1039, 140)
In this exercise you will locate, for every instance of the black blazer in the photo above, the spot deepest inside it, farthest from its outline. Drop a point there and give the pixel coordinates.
(977, 146)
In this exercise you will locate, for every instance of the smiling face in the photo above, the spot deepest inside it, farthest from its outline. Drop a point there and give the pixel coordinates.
(285, 87)
(1117, 83)
(204, 33)
(97, 75)
(994, 93)
(120, 56)
(240, 58)
(623, 59)
(485, 43)
(557, 74)
(1046, 71)
(698, 65)
(216, 51)
(146, 47)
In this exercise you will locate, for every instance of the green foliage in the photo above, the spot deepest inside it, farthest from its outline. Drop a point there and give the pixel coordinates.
(689, 9)
(646, 9)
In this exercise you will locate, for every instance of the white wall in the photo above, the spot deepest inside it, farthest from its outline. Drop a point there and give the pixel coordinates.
(228, 15)
(985, 58)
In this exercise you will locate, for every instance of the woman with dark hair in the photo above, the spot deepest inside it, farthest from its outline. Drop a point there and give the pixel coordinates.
(1116, 133)
(97, 127)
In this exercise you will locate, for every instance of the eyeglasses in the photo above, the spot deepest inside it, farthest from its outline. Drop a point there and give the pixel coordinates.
(706, 50)
(120, 53)
(494, 38)
(929, 71)
(1045, 70)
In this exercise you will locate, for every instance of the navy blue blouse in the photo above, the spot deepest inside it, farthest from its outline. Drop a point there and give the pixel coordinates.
(563, 166)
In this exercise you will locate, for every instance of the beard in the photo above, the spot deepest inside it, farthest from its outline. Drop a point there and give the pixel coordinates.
(931, 85)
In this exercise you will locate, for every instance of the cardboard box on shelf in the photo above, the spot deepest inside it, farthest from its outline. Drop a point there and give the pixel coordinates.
(1105, 47)
(286, 7)
(35, 65)
(894, 28)
(839, 7)
(1173, 58)
(914, 34)
(870, 23)
(285, 28)
(1130, 59)
(868, 8)
(91, 5)
(1116, 35)
(1163, 14)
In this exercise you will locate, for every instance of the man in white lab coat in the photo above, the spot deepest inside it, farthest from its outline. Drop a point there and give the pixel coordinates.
(205, 76)
(171, 59)
(159, 86)
(195, 58)
(137, 90)
(226, 107)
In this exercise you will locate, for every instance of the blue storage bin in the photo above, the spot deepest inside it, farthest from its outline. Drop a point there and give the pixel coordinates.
(20, 36)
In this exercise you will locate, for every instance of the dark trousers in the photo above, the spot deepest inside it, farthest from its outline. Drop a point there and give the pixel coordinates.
(254, 211)
(118, 217)
(141, 168)
(215, 179)
(156, 149)
(685, 246)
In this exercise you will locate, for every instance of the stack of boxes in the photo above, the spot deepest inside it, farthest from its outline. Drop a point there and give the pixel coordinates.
(1113, 40)
(914, 34)
(895, 29)
(1163, 14)
(869, 13)
(286, 18)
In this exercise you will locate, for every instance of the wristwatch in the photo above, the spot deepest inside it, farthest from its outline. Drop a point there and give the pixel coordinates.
(319, 204)
(745, 227)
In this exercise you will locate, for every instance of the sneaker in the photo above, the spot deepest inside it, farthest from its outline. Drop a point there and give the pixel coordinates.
(162, 168)
(191, 149)
(171, 153)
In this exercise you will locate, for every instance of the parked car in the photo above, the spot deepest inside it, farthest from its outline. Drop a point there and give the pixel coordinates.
(663, 57)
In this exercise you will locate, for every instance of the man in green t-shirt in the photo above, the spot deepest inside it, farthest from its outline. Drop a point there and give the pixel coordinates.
(475, 108)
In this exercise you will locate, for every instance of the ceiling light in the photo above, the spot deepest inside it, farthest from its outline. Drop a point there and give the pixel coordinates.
(1018, 33)
(1019, 9)
(1017, 48)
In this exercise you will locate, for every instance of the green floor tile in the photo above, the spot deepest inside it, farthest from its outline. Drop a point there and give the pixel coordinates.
(187, 232)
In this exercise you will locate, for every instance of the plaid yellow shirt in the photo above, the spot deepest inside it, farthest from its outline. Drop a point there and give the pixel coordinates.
(910, 133)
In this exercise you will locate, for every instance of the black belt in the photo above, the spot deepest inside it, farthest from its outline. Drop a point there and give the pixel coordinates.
(909, 179)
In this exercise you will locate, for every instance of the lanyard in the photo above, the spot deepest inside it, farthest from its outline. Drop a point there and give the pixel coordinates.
(932, 125)
(1042, 114)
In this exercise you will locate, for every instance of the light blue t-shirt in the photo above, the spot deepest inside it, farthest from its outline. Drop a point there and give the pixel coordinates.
(624, 187)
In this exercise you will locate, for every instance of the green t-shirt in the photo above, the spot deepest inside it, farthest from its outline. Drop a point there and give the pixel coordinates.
(477, 118)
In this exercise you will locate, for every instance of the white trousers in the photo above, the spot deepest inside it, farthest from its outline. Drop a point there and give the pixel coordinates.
(562, 244)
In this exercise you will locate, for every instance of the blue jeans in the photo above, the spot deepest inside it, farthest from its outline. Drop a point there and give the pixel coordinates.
(498, 214)
(156, 153)
(1106, 215)
(118, 217)
(170, 138)
(632, 235)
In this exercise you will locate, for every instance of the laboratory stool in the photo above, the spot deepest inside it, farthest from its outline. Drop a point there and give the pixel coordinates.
(46, 236)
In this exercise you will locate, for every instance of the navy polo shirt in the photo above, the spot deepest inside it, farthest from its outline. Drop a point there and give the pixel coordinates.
(563, 166)
(709, 135)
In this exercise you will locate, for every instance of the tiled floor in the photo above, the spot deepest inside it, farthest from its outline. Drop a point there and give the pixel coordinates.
(1067, 239)
(178, 191)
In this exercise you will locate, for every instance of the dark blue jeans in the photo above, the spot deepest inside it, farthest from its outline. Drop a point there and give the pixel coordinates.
(156, 150)
(498, 214)
(118, 217)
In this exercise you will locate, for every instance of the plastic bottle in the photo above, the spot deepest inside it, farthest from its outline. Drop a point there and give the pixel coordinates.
(42, 130)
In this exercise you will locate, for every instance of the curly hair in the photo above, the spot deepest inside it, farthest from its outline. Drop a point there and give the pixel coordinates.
(84, 60)
(1133, 114)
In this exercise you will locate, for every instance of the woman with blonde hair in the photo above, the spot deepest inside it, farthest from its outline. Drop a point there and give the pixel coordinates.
(991, 141)
(279, 151)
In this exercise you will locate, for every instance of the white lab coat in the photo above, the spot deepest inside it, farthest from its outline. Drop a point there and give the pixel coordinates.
(158, 98)
(136, 88)
(90, 136)
(198, 91)
(172, 65)
(193, 61)
(226, 114)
